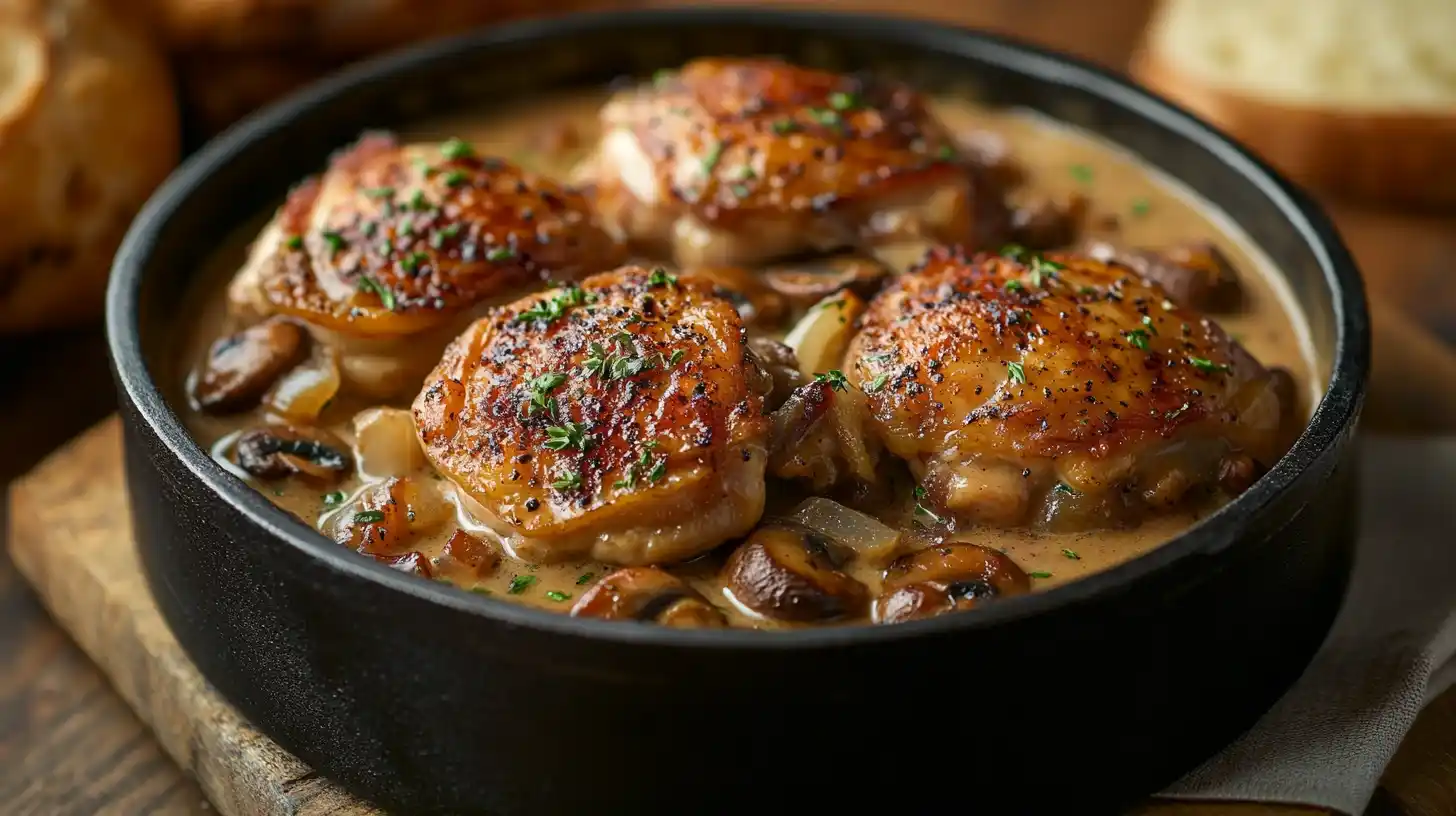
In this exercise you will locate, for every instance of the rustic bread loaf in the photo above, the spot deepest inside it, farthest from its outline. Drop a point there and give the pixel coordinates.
(88, 127)
(1357, 97)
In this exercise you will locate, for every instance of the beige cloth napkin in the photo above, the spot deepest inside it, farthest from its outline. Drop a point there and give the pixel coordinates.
(1390, 652)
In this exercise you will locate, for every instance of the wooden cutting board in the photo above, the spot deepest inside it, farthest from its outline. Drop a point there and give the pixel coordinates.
(70, 536)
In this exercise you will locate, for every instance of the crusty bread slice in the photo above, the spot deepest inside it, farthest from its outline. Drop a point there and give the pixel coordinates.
(1356, 97)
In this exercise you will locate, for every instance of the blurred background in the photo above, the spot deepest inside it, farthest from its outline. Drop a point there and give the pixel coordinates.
(100, 99)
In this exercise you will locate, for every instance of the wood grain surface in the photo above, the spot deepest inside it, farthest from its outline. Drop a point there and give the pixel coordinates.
(70, 745)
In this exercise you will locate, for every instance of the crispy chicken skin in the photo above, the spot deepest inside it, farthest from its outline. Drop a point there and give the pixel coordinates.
(739, 161)
(402, 242)
(621, 419)
(1059, 390)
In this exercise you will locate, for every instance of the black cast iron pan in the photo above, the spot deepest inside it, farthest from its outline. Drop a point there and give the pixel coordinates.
(429, 699)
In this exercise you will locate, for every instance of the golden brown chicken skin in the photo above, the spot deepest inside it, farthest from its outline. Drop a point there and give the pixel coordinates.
(739, 161)
(1058, 390)
(399, 242)
(620, 419)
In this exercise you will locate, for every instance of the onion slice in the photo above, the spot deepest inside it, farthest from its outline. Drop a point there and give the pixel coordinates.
(862, 534)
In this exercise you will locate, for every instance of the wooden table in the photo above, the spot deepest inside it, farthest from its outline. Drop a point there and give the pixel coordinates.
(68, 745)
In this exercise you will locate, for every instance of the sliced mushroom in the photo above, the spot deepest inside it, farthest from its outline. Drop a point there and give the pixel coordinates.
(1048, 223)
(946, 578)
(280, 451)
(240, 368)
(786, 572)
(1195, 274)
(390, 518)
(805, 283)
(467, 558)
(648, 594)
(777, 361)
(1237, 472)
(756, 303)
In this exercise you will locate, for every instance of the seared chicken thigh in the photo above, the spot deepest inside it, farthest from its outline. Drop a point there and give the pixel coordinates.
(395, 247)
(740, 161)
(1059, 390)
(621, 419)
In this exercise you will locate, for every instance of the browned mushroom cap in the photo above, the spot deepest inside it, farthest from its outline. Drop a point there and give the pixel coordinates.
(786, 572)
(1049, 223)
(781, 365)
(648, 594)
(240, 368)
(756, 303)
(1195, 274)
(279, 451)
(946, 578)
(806, 283)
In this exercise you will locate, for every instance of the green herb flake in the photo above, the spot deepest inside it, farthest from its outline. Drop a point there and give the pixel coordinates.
(1207, 366)
(1082, 173)
(411, 262)
(335, 241)
(1040, 574)
(455, 178)
(661, 277)
(380, 192)
(567, 480)
(500, 253)
(369, 517)
(386, 297)
(1141, 207)
(783, 126)
(585, 577)
(1072, 554)
(554, 307)
(557, 595)
(538, 393)
(1138, 339)
(841, 101)
(877, 383)
(294, 242)
(835, 378)
(419, 202)
(677, 354)
(1148, 321)
(739, 190)
(710, 159)
(661, 76)
(334, 499)
(521, 583)
(456, 149)
(1015, 252)
(1063, 487)
(568, 435)
(1015, 373)
(945, 153)
(1014, 285)
(826, 117)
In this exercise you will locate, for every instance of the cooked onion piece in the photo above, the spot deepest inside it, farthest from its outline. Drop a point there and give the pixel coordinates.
(860, 533)
(820, 337)
(385, 442)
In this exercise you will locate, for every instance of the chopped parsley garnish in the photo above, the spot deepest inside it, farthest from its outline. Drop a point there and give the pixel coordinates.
(1141, 207)
(521, 583)
(1040, 574)
(783, 126)
(380, 192)
(655, 471)
(334, 499)
(555, 306)
(369, 517)
(411, 262)
(835, 378)
(539, 393)
(739, 190)
(922, 510)
(1043, 268)
(658, 471)
(1015, 373)
(877, 383)
(841, 101)
(1014, 285)
(557, 595)
(661, 76)
(1013, 251)
(1082, 173)
(454, 149)
(677, 354)
(335, 241)
(1148, 321)
(567, 480)
(569, 435)
(418, 201)
(1206, 366)
(1072, 554)
(450, 230)
(826, 117)
(1086, 290)
(1138, 339)
(584, 577)
(710, 160)
(294, 242)
(455, 178)
(661, 277)
(500, 253)
(1063, 487)
(386, 297)
(945, 153)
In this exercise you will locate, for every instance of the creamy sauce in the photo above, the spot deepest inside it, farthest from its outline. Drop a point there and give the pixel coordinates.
(1149, 211)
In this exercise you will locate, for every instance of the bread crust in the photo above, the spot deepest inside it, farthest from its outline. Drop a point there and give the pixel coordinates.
(88, 128)
(1395, 158)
